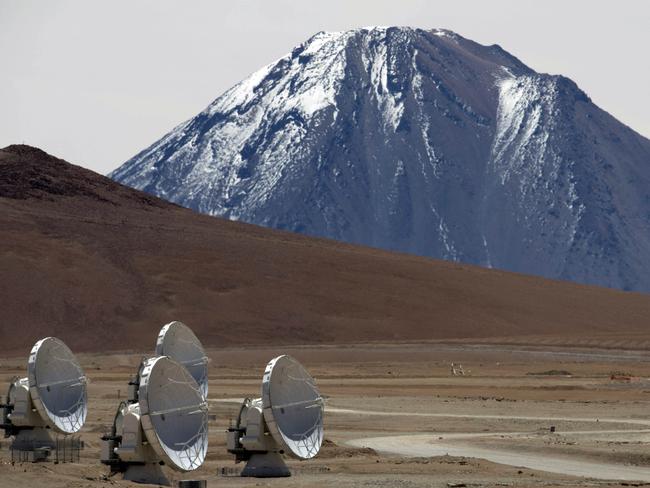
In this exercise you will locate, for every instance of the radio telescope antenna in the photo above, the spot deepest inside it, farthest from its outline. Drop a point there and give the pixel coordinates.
(51, 398)
(166, 422)
(290, 410)
(177, 341)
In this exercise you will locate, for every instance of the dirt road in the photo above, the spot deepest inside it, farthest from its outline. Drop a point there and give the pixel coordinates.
(425, 446)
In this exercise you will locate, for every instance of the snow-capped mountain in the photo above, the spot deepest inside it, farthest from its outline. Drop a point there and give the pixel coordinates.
(424, 142)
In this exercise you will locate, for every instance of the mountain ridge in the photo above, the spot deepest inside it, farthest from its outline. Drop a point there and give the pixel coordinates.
(27, 172)
(422, 142)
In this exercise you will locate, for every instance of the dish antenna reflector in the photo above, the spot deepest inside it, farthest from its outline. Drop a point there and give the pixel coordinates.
(51, 398)
(165, 421)
(288, 418)
(177, 341)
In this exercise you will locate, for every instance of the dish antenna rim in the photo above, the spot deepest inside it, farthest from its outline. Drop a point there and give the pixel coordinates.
(313, 442)
(195, 454)
(63, 424)
(171, 336)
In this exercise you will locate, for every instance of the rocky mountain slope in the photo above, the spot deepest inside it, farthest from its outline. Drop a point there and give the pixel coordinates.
(423, 142)
(103, 266)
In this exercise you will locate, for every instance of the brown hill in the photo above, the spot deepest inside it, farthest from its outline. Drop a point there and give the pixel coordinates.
(103, 267)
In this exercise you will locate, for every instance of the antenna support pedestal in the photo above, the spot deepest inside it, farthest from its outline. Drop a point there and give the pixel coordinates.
(192, 484)
(31, 439)
(266, 465)
(150, 473)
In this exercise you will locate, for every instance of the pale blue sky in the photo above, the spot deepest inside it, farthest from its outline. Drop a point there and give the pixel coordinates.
(95, 82)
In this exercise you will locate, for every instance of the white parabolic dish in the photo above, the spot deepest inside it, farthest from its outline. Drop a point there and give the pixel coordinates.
(57, 385)
(177, 341)
(293, 407)
(174, 413)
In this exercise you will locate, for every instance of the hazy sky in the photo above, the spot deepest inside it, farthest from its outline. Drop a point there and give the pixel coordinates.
(95, 82)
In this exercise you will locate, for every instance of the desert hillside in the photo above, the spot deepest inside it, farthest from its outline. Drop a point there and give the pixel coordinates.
(102, 267)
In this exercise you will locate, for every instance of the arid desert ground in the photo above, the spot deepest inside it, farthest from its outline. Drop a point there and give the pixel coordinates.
(396, 416)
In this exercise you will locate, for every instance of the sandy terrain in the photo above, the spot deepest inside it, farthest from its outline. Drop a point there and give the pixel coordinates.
(393, 412)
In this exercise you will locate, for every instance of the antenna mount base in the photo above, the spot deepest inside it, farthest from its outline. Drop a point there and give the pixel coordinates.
(266, 465)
